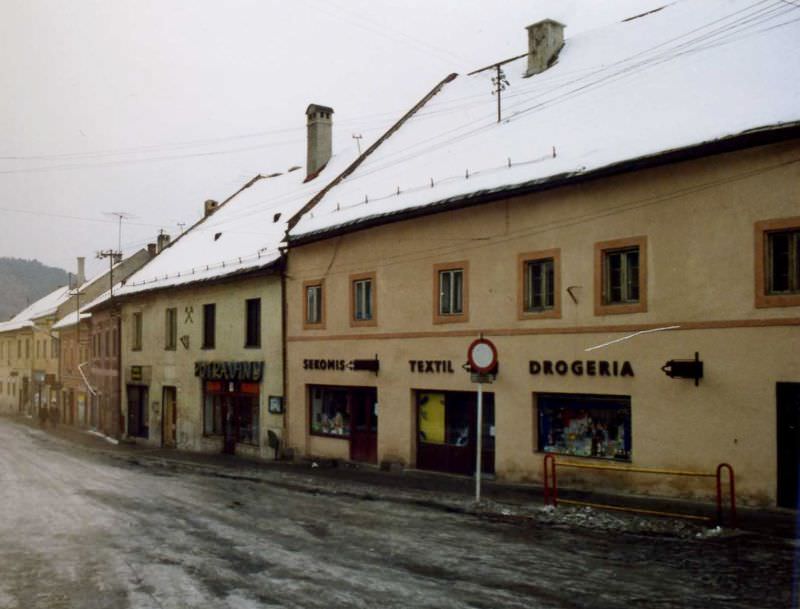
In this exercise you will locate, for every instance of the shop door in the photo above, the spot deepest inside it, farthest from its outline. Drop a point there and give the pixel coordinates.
(447, 432)
(169, 417)
(364, 427)
(788, 399)
(229, 425)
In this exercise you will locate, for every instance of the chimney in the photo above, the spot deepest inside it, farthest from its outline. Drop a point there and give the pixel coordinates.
(162, 242)
(209, 207)
(545, 39)
(151, 249)
(319, 138)
(81, 278)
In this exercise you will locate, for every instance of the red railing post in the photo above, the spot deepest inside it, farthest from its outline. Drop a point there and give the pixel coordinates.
(731, 491)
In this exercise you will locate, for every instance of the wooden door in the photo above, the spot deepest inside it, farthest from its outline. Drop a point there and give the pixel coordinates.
(169, 408)
(364, 425)
(788, 400)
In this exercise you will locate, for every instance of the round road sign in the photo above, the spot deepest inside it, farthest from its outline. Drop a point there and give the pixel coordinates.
(482, 355)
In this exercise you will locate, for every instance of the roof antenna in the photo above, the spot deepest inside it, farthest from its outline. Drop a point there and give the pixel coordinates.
(357, 137)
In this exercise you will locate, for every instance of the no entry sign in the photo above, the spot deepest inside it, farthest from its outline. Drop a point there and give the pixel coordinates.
(482, 356)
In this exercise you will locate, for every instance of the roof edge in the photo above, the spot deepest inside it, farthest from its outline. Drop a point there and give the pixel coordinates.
(751, 138)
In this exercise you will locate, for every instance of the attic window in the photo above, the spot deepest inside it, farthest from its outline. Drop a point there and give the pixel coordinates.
(217, 236)
(276, 217)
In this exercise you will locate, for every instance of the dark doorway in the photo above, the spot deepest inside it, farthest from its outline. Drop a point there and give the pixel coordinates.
(447, 431)
(364, 425)
(788, 401)
(169, 417)
(138, 423)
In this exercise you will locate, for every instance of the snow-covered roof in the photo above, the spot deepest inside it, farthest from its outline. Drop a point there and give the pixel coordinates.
(243, 234)
(10, 326)
(693, 72)
(69, 320)
(43, 307)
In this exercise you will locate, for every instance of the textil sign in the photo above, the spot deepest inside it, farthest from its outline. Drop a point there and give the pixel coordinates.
(229, 371)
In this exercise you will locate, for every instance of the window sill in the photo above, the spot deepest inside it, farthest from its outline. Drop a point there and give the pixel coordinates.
(620, 308)
(592, 457)
(363, 323)
(450, 319)
(768, 301)
(334, 436)
(543, 314)
(315, 326)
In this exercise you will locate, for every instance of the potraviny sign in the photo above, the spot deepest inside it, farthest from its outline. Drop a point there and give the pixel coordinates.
(230, 371)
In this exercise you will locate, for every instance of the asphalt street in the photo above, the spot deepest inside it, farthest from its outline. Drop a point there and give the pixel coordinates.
(81, 529)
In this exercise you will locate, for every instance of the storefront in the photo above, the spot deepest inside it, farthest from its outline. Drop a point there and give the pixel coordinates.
(447, 431)
(349, 414)
(231, 402)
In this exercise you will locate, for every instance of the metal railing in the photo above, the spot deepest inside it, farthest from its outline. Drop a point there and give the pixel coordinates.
(551, 488)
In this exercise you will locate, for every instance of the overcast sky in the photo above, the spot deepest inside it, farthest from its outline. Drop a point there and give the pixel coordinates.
(150, 107)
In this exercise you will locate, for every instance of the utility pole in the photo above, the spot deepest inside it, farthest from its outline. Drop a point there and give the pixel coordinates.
(113, 256)
(357, 137)
(500, 83)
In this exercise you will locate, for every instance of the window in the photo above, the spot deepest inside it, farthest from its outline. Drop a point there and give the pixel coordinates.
(330, 411)
(19, 348)
(584, 425)
(209, 325)
(539, 284)
(136, 339)
(238, 411)
(114, 342)
(777, 258)
(53, 348)
(362, 300)
(108, 343)
(171, 329)
(450, 292)
(253, 329)
(621, 276)
(313, 304)
(27, 348)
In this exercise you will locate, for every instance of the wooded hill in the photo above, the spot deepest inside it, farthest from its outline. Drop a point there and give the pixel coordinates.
(24, 281)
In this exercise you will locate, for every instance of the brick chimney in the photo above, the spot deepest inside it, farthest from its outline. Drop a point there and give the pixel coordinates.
(162, 242)
(81, 277)
(209, 207)
(545, 39)
(151, 249)
(320, 147)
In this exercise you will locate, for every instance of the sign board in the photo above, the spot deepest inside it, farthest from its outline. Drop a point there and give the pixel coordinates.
(482, 356)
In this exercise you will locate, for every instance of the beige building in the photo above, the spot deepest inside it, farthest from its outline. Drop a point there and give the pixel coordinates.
(29, 357)
(202, 324)
(644, 298)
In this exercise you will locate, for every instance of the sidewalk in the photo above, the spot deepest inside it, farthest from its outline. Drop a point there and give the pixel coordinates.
(521, 504)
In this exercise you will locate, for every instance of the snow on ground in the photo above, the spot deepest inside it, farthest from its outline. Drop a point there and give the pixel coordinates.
(693, 72)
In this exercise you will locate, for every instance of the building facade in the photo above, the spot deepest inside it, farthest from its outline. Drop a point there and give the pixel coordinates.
(202, 366)
(588, 290)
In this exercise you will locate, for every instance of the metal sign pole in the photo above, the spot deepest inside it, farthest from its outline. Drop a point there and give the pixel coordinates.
(478, 442)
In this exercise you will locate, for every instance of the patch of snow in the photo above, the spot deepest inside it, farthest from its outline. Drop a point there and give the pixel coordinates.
(691, 73)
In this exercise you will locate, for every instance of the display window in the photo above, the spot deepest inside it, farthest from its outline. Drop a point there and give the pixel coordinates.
(231, 409)
(585, 425)
(330, 411)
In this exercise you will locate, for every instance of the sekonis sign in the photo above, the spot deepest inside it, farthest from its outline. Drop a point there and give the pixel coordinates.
(230, 371)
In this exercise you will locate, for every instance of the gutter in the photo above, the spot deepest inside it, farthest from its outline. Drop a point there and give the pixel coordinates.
(741, 141)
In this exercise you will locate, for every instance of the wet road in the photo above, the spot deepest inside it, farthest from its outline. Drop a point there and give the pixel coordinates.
(83, 530)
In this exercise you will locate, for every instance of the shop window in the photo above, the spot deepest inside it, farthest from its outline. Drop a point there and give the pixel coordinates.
(539, 284)
(253, 323)
(171, 329)
(584, 425)
(313, 304)
(136, 331)
(236, 412)
(209, 325)
(451, 292)
(362, 300)
(440, 424)
(330, 411)
(621, 276)
(777, 258)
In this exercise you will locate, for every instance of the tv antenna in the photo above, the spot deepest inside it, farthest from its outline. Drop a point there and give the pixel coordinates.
(357, 137)
(120, 215)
